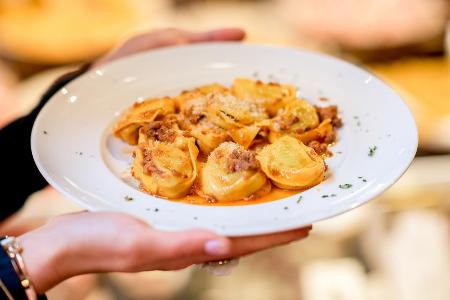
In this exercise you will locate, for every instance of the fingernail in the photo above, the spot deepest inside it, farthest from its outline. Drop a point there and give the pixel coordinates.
(216, 247)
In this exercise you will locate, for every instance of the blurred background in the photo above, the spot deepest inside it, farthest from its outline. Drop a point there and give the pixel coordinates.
(396, 247)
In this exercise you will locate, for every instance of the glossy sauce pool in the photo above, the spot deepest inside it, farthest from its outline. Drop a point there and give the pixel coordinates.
(274, 194)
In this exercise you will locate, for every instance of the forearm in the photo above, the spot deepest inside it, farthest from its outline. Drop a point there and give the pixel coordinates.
(53, 254)
(71, 245)
(44, 259)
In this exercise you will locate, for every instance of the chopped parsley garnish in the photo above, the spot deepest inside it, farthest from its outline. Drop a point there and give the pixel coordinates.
(362, 178)
(372, 150)
(331, 195)
(128, 198)
(345, 186)
(299, 199)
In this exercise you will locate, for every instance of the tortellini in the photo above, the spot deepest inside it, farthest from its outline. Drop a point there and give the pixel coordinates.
(141, 113)
(299, 115)
(228, 144)
(231, 173)
(295, 118)
(244, 136)
(194, 102)
(166, 169)
(208, 135)
(229, 112)
(290, 164)
(317, 134)
(272, 96)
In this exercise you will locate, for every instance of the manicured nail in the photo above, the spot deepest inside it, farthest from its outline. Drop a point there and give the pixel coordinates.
(216, 247)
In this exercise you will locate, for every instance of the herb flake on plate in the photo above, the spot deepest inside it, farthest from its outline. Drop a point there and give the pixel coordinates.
(345, 186)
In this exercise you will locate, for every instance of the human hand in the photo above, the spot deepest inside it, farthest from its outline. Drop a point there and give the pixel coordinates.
(168, 37)
(89, 242)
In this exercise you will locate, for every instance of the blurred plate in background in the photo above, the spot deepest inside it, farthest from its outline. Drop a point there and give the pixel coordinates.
(49, 32)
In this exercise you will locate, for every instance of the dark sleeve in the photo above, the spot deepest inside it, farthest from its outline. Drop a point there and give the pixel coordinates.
(9, 282)
(10, 285)
(20, 176)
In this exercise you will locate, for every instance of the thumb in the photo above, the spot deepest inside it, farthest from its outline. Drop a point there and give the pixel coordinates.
(222, 34)
(179, 245)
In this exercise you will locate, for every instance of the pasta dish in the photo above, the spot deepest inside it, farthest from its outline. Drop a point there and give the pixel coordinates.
(220, 145)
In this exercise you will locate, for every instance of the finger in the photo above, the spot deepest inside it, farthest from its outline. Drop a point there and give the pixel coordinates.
(169, 36)
(246, 245)
(145, 41)
(152, 40)
(190, 244)
(222, 34)
(243, 246)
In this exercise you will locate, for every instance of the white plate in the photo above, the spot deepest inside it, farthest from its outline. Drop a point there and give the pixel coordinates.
(74, 150)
